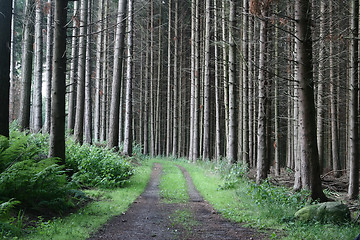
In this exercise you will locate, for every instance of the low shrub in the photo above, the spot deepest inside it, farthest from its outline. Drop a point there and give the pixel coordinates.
(95, 166)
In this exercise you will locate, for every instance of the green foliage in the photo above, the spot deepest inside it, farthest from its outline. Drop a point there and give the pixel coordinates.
(36, 184)
(266, 193)
(95, 166)
(87, 220)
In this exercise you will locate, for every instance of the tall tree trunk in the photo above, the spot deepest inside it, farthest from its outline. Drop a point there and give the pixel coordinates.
(276, 103)
(105, 75)
(333, 110)
(128, 139)
(48, 64)
(80, 97)
(73, 69)
(262, 159)
(168, 112)
(5, 41)
(175, 88)
(217, 87)
(320, 87)
(26, 70)
(225, 72)
(353, 191)
(88, 83)
(309, 151)
(152, 78)
(245, 85)
(231, 154)
(12, 108)
(99, 69)
(196, 125)
(57, 129)
(38, 66)
(206, 133)
(113, 137)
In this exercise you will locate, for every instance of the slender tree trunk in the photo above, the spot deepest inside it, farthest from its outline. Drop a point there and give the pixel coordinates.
(48, 64)
(245, 85)
(309, 152)
(73, 69)
(88, 83)
(217, 88)
(231, 154)
(26, 70)
(80, 97)
(105, 75)
(225, 73)
(175, 88)
(276, 103)
(262, 159)
(192, 98)
(57, 129)
(128, 139)
(146, 90)
(113, 137)
(333, 110)
(98, 72)
(320, 87)
(353, 191)
(196, 126)
(12, 108)
(206, 134)
(38, 66)
(152, 83)
(5, 41)
(169, 82)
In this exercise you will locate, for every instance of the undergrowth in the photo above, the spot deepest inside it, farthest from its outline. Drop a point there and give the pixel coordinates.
(263, 206)
(30, 181)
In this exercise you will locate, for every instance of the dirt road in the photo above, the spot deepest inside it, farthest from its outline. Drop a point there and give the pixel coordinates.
(151, 218)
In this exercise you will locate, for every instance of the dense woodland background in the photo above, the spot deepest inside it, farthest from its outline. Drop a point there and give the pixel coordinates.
(272, 83)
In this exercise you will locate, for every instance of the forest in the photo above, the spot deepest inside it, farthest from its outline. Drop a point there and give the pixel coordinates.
(262, 90)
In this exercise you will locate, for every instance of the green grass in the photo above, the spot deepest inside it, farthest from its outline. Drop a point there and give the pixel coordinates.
(263, 207)
(173, 187)
(86, 221)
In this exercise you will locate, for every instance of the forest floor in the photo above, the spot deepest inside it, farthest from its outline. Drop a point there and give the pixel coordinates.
(336, 188)
(150, 217)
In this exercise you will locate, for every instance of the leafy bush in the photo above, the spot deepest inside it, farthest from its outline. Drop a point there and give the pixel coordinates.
(95, 166)
(267, 193)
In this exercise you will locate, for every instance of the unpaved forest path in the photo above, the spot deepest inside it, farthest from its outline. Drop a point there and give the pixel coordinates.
(151, 218)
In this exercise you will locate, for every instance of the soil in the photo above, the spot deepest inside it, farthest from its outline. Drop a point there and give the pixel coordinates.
(151, 218)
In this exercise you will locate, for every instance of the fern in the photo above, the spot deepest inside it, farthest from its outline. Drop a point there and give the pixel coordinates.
(5, 208)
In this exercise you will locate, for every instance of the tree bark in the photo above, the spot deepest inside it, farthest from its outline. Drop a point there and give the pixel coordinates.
(309, 152)
(48, 64)
(231, 154)
(128, 139)
(57, 129)
(73, 69)
(38, 66)
(26, 71)
(113, 137)
(176, 80)
(206, 131)
(88, 83)
(262, 159)
(353, 190)
(5, 41)
(99, 69)
(80, 97)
